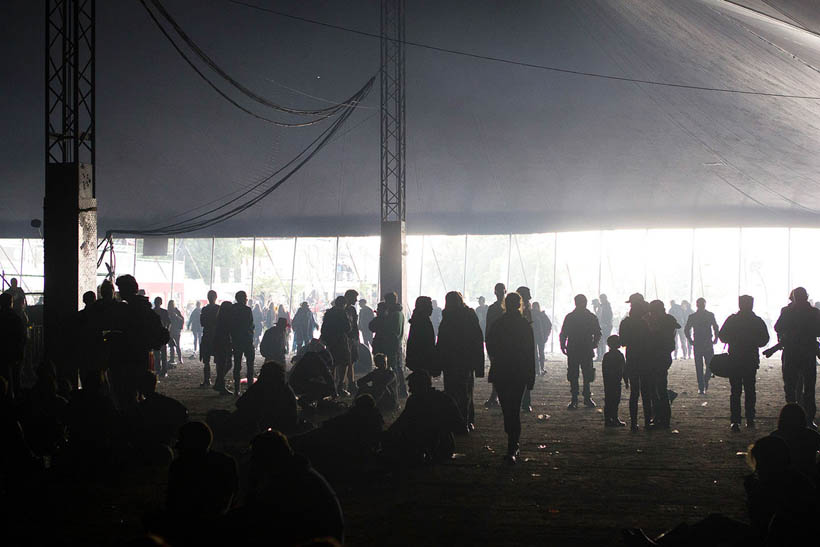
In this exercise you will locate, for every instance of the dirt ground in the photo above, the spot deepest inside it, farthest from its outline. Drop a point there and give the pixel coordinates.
(577, 482)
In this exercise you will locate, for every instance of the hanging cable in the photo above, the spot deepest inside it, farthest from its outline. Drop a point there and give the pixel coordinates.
(224, 212)
(325, 112)
(215, 87)
(525, 64)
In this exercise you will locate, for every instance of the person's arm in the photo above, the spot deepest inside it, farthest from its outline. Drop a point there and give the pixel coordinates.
(596, 333)
(530, 345)
(687, 330)
(562, 337)
(716, 329)
(725, 332)
(764, 334)
(366, 379)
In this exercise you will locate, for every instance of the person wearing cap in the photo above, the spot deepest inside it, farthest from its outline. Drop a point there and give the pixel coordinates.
(798, 328)
(745, 333)
(634, 334)
(701, 332)
(579, 336)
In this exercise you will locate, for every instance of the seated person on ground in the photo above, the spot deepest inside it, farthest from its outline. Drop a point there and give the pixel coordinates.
(202, 482)
(424, 430)
(310, 376)
(782, 507)
(42, 413)
(288, 502)
(274, 345)
(95, 427)
(803, 442)
(160, 416)
(344, 441)
(380, 384)
(267, 404)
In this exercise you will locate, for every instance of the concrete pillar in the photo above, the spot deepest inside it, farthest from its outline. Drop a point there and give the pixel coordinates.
(392, 260)
(69, 248)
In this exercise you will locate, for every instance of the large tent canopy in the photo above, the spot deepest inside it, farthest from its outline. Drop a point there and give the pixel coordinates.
(492, 147)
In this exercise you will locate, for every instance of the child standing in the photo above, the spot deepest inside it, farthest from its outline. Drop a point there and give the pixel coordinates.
(613, 372)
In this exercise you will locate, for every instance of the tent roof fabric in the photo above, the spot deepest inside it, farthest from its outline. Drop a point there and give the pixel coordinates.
(492, 147)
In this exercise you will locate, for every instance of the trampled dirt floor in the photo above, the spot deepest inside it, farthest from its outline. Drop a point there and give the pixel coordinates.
(578, 483)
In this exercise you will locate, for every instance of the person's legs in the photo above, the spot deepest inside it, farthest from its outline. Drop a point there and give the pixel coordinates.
(470, 406)
(699, 358)
(809, 375)
(751, 395)
(455, 385)
(647, 397)
(573, 365)
(541, 357)
(635, 390)
(237, 369)
(661, 406)
(790, 372)
(708, 353)
(510, 396)
(206, 369)
(736, 384)
(395, 364)
(609, 398)
(249, 357)
(588, 372)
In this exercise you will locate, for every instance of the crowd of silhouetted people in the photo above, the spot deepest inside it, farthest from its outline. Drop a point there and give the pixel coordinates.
(98, 412)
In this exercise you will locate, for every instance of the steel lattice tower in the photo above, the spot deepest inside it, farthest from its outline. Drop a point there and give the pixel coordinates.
(70, 63)
(392, 273)
(70, 207)
(392, 111)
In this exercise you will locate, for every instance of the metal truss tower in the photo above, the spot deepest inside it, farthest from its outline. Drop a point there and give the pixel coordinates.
(393, 149)
(70, 205)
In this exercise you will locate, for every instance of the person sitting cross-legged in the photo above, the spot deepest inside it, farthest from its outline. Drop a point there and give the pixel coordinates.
(424, 430)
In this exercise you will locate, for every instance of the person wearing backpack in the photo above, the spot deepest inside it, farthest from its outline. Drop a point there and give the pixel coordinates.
(745, 333)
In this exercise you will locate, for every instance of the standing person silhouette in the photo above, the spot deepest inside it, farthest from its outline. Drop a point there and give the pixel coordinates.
(175, 329)
(366, 315)
(511, 346)
(195, 326)
(677, 311)
(542, 327)
(494, 312)
(222, 346)
(526, 312)
(634, 335)
(242, 329)
(161, 355)
(702, 325)
(460, 353)
(745, 333)
(207, 324)
(421, 340)
(481, 312)
(579, 336)
(662, 329)
(604, 315)
(335, 329)
(798, 328)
